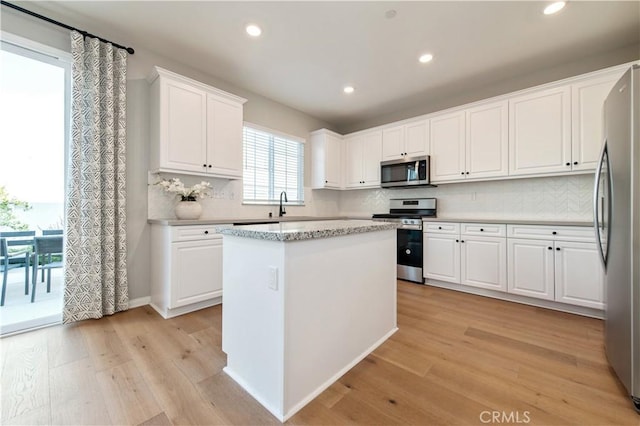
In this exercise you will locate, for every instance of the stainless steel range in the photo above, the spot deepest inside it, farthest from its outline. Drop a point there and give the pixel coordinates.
(408, 213)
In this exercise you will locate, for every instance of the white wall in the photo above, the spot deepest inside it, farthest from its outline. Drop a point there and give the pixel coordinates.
(547, 198)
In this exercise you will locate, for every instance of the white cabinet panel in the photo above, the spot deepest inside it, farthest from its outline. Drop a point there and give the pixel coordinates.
(483, 262)
(487, 141)
(353, 151)
(540, 132)
(587, 99)
(484, 229)
(579, 278)
(184, 146)
(531, 268)
(393, 143)
(371, 157)
(441, 255)
(441, 228)
(196, 271)
(416, 138)
(326, 157)
(447, 138)
(224, 137)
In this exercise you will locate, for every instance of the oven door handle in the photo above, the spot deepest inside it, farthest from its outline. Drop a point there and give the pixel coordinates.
(411, 227)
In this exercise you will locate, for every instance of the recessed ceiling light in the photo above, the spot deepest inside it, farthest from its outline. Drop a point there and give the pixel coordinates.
(348, 89)
(554, 8)
(253, 30)
(390, 14)
(427, 57)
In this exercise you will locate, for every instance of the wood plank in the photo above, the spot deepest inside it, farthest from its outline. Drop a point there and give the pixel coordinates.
(159, 420)
(103, 344)
(65, 344)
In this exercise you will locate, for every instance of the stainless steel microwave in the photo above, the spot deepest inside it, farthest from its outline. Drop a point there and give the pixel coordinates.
(405, 172)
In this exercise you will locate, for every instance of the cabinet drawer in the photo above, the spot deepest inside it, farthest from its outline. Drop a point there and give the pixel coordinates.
(556, 233)
(194, 232)
(484, 229)
(441, 228)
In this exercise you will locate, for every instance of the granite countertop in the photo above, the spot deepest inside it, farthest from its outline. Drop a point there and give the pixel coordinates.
(267, 220)
(305, 230)
(510, 221)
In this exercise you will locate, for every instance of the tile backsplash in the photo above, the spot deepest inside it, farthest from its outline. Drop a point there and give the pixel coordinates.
(542, 198)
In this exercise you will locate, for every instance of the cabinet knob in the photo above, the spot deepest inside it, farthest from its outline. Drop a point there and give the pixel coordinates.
(554, 233)
(204, 165)
(558, 248)
(568, 164)
(462, 241)
(466, 173)
(326, 181)
(575, 163)
(461, 173)
(209, 165)
(549, 248)
(206, 232)
(439, 227)
(457, 241)
(481, 229)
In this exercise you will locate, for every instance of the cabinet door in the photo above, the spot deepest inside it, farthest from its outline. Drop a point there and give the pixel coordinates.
(416, 138)
(371, 157)
(353, 152)
(196, 271)
(224, 137)
(579, 276)
(441, 254)
(484, 262)
(447, 137)
(333, 165)
(487, 141)
(393, 143)
(530, 268)
(587, 99)
(183, 134)
(540, 132)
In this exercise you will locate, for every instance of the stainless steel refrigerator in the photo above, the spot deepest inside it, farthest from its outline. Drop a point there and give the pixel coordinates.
(617, 223)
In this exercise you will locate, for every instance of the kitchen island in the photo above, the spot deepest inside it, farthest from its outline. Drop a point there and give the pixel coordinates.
(303, 302)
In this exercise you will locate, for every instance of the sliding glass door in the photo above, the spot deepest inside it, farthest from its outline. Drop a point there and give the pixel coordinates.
(34, 129)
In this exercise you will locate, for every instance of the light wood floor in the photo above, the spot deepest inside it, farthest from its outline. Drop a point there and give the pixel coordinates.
(454, 357)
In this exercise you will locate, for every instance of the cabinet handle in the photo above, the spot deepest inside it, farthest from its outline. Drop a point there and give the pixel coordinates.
(575, 163)
(549, 248)
(554, 233)
(209, 165)
(439, 227)
(457, 241)
(206, 232)
(204, 165)
(461, 173)
(568, 164)
(462, 241)
(326, 181)
(467, 173)
(558, 248)
(481, 229)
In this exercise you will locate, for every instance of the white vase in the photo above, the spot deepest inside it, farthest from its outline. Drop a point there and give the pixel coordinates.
(188, 210)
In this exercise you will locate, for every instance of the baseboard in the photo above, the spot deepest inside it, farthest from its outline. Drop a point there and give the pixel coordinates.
(140, 301)
(239, 380)
(170, 313)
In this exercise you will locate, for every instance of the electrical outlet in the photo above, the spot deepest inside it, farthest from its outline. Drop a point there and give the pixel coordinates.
(473, 196)
(273, 278)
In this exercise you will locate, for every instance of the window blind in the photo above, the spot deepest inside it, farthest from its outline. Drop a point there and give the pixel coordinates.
(271, 164)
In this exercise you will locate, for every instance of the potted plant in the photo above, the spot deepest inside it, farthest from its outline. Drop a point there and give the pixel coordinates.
(188, 207)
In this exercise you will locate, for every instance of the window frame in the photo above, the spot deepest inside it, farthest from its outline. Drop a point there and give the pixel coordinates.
(275, 133)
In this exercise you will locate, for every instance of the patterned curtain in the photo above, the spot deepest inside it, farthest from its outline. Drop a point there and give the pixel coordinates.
(95, 249)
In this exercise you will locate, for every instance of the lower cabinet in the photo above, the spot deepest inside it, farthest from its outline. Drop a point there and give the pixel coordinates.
(186, 268)
(558, 264)
(457, 255)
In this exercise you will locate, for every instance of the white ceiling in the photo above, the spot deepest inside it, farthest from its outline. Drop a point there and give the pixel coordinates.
(309, 50)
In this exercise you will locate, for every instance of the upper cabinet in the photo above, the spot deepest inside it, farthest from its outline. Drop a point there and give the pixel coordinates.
(405, 140)
(326, 154)
(540, 132)
(447, 147)
(363, 153)
(195, 129)
(587, 98)
(471, 143)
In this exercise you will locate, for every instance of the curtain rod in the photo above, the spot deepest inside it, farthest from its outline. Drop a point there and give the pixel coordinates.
(60, 24)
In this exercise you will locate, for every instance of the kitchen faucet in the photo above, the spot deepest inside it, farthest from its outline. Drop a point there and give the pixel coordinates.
(281, 212)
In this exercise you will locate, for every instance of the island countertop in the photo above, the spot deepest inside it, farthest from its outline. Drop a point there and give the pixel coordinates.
(296, 231)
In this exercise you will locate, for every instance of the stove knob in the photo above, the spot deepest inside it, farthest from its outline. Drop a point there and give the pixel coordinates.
(407, 251)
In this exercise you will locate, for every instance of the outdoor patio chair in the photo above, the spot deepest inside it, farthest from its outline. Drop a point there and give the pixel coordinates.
(46, 232)
(48, 249)
(23, 239)
(5, 266)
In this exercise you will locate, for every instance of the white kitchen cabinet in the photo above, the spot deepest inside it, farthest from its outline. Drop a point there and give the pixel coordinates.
(441, 257)
(363, 153)
(487, 141)
(540, 132)
(448, 139)
(484, 262)
(587, 99)
(326, 155)
(406, 140)
(194, 128)
(186, 268)
(531, 268)
(469, 254)
(579, 278)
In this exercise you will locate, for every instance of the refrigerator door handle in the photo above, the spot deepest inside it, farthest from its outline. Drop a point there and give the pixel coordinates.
(596, 210)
